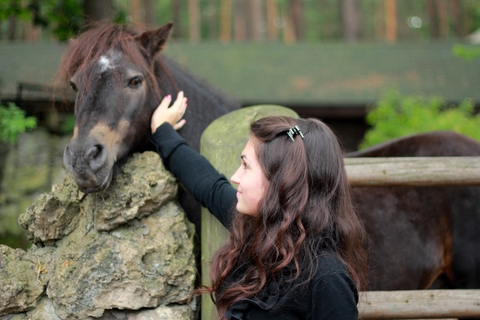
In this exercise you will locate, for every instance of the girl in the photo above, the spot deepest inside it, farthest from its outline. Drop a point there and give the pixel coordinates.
(296, 249)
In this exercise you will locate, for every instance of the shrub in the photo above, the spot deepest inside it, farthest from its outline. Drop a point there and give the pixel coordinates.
(14, 122)
(395, 116)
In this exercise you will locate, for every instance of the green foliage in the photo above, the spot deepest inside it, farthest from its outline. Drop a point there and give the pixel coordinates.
(467, 52)
(66, 15)
(13, 122)
(68, 125)
(65, 18)
(13, 8)
(395, 116)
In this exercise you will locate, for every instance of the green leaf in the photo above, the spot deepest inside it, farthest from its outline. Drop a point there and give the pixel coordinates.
(14, 122)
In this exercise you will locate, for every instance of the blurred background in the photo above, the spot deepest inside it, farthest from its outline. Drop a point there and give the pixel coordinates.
(411, 66)
(227, 21)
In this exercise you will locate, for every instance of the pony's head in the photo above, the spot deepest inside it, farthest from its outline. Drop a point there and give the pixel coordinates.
(116, 78)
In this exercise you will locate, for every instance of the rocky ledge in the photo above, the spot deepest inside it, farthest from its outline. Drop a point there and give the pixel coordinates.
(124, 253)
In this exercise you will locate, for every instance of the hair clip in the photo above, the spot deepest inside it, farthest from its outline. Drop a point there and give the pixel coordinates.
(294, 131)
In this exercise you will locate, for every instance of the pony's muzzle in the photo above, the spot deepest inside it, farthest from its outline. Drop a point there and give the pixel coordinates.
(88, 163)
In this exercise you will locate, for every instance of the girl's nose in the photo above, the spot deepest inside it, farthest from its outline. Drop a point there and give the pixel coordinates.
(236, 177)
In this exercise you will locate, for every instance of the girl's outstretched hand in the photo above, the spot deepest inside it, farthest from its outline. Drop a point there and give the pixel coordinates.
(172, 114)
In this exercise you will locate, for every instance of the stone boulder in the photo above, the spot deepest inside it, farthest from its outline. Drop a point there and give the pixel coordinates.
(20, 281)
(108, 255)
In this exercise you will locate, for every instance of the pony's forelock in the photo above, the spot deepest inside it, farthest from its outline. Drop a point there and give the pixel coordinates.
(98, 40)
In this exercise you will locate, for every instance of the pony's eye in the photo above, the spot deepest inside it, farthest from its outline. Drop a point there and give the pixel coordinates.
(135, 82)
(73, 86)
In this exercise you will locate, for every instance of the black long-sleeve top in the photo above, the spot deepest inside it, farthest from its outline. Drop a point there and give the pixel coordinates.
(330, 294)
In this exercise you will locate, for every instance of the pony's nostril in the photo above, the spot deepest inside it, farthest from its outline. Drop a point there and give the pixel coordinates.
(96, 156)
(93, 152)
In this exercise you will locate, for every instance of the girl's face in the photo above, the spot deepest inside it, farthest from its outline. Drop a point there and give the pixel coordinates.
(250, 180)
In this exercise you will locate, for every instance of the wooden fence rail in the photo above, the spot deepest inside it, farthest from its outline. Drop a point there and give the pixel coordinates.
(413, 171)
(426, 304)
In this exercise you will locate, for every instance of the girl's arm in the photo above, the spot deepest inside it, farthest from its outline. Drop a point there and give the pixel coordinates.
(194, 171)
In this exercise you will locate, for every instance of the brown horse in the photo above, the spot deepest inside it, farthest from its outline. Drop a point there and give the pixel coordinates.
(422, 237)
(120, 77)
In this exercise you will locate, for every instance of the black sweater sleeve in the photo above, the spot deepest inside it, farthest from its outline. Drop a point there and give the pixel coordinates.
(197, 175)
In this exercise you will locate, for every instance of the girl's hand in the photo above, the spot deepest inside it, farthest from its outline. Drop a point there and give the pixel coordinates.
(172, 115)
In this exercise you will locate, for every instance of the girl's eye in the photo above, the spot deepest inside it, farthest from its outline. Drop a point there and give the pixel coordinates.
(135, 82)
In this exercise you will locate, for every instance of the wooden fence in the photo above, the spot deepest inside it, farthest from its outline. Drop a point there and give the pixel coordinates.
(416, 171)
(222, 144)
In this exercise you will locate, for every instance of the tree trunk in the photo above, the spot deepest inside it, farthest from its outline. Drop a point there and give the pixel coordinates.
(247, 14)
(194, 15)
(211, 19)
(98, 10)
(467, 15)
(240, 21)
(380, 19)
(351, 19)
(150, 10)
(432, 14)
(257, 22)
(457, 26)
(442, 18)
(272, 14)
(296, 9)
(226, 21)
(178, 28)
(289, 30)
(137, 12)
(391, 20)
(12, 28)
(26, 25)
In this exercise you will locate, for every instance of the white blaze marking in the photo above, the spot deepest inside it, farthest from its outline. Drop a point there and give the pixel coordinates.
(105, 64)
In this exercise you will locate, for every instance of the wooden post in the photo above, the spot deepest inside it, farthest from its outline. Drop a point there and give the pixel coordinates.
(221, 143)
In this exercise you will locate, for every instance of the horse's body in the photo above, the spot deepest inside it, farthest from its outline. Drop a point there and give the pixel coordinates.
(422, 237)
(120, 77)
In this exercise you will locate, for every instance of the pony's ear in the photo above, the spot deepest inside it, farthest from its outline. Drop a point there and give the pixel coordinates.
(154, 40)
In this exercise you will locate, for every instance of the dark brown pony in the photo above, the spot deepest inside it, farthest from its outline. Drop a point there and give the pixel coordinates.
(120, 77)
(422, 237)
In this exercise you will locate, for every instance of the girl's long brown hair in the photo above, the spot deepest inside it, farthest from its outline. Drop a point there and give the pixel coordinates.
(307, 208)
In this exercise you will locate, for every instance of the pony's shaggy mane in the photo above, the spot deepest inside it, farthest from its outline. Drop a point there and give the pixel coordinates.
(98, 40)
